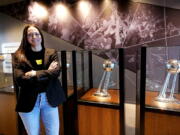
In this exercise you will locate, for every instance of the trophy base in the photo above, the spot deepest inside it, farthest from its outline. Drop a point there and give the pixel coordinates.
(167, 100)
(101, 94)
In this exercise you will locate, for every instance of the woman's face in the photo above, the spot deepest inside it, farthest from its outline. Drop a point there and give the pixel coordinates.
(33, 36)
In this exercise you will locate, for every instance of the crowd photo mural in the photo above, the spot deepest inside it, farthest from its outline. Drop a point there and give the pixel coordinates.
(108, 25)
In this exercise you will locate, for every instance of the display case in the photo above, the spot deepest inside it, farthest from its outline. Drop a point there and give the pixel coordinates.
(6, 79)
(158, 110)
(8, 116)
(68, 109)
(99, 91)
(65, 59)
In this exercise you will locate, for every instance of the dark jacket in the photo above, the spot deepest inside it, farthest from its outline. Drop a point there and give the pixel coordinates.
(25, 87)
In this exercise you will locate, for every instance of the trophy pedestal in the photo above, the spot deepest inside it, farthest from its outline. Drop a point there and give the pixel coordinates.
(167, 100)
(101, 94)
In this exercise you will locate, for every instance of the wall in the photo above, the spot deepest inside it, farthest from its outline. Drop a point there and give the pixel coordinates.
(109, 26)
(11, 31)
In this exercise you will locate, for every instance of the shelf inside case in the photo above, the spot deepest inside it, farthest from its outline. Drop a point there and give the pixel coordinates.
(151, 102)
(112, 99)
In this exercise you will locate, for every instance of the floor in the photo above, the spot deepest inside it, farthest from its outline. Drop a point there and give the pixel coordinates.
(130, 113)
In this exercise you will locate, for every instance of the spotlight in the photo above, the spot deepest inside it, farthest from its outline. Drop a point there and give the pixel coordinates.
(84, 8)
(37, 10)
(61, 11)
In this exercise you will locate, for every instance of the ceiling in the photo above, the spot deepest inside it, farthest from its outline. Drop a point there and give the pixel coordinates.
(6, 2)
(168, 3)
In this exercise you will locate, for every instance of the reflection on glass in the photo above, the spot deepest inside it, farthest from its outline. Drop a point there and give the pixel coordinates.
(6, 81)
(104, 83)
(68, 73)
(173, 68)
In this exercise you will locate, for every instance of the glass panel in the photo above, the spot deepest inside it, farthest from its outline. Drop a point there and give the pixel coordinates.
(6, 79)
(82, 67)
(162, 78)
(105, 77)
(69, 73)
(69, 66)
(130, 70)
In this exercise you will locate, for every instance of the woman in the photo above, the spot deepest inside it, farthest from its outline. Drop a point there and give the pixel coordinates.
(36, 71)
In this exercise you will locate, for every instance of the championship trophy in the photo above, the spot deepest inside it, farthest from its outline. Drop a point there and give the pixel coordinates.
(173, 68)
(104, 83)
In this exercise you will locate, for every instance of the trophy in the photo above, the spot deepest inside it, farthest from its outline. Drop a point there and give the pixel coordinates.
(104, 83)
(173, 68)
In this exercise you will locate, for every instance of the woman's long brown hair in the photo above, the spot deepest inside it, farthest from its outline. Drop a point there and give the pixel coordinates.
(25, 47)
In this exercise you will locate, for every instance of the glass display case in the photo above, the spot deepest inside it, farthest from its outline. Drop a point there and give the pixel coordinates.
(6, 79)
(68, 109)
(98, 78)
(162, 78)
(159, 90)
(65, 60)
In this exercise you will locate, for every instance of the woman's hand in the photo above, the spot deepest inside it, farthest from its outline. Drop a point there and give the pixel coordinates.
(30, 73)
(53, 65)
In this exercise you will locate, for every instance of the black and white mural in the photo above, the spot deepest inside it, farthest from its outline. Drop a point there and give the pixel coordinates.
(107, 26)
